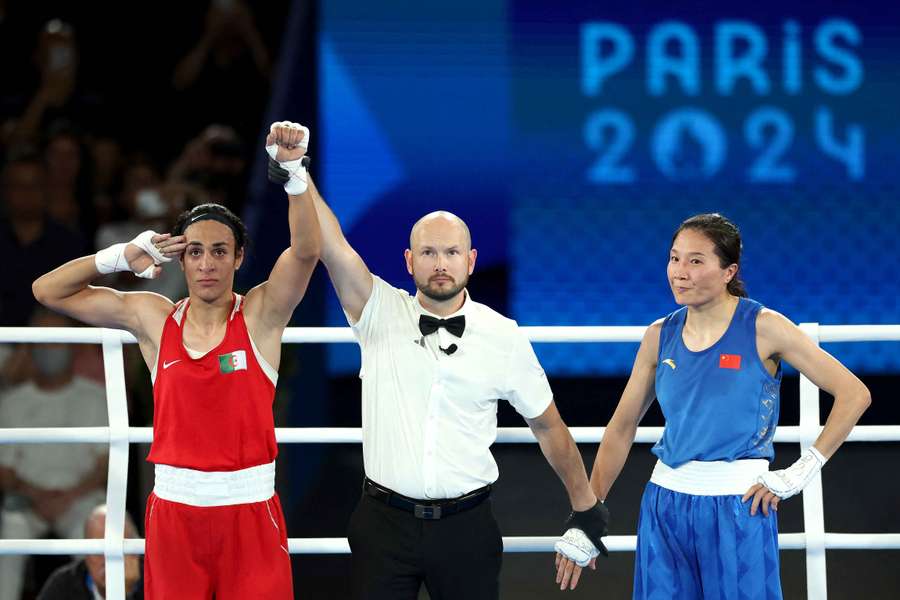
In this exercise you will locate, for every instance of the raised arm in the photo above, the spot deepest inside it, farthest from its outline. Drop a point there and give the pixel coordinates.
(271, 304)
(349, 274)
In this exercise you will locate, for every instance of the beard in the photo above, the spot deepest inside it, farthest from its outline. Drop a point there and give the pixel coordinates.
(438, 294)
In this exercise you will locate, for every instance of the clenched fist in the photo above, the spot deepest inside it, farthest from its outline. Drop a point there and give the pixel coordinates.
(290, 140)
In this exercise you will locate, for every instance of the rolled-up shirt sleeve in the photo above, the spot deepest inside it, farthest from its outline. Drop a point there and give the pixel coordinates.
(528, 390)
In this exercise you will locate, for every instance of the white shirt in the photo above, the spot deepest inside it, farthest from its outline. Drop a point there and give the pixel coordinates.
(429, 418)
(81, 403)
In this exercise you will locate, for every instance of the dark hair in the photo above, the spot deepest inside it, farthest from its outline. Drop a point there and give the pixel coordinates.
(213, 212)
(726, 238)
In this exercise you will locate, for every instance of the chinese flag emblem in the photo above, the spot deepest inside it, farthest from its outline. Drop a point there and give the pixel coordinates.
(729, 361)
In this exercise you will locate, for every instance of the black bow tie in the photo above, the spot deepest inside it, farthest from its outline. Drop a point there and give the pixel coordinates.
(454, 325)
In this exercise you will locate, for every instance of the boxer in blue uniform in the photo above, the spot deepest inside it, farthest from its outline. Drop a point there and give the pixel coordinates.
(707, 526)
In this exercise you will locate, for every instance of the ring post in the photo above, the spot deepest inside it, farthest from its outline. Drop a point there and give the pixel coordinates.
(117, 477)
(813, 504)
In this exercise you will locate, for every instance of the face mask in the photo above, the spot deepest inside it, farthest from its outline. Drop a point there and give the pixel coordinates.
(149, 204)
(51, 361)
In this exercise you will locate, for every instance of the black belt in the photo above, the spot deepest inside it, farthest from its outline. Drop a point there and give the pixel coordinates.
(426, 509)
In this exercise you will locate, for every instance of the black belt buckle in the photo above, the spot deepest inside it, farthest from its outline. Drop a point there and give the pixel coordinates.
(429, 513)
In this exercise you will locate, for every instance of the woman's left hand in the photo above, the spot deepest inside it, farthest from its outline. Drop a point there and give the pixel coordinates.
(761, 496)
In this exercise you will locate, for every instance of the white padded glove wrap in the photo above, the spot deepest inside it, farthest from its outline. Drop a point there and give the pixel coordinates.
(576, 546)
(112, 259)
(789, 482)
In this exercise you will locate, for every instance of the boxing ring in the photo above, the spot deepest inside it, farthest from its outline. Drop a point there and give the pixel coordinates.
(814, 539)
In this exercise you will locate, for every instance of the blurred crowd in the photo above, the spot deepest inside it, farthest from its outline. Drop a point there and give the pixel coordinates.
(77, 177)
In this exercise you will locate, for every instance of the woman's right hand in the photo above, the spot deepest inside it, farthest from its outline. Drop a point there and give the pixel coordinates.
(169, 247)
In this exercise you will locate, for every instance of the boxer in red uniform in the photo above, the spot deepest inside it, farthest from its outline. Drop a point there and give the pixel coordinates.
(214, 525)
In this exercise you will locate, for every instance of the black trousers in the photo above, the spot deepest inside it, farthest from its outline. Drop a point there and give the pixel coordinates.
(394, 553)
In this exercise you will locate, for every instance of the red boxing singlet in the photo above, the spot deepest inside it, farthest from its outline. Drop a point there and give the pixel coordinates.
(213, 413)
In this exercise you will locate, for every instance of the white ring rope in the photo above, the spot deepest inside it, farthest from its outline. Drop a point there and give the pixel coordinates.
(119, 435)
(353, 435)
(329, 335)
(615, 543)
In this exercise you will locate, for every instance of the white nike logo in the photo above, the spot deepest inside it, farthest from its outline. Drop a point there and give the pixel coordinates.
(166, 365)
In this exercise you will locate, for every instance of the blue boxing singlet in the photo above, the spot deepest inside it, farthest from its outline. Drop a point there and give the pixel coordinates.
(720, 403)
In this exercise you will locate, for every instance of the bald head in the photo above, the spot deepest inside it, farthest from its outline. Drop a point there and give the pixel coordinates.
(440, 258)
(94, 526)
(440, 224)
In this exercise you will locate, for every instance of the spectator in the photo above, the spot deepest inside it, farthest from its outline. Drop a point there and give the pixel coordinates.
(139, 174)
(214, 161)
(85, 578)
(230, 55)
(107, 160)
(150, 204)
(33, 242)
(49, 487)
(15, 365)
(69, 193)
(59, 94)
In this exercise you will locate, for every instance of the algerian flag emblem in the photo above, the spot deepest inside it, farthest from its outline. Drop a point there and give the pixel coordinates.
(236, 361)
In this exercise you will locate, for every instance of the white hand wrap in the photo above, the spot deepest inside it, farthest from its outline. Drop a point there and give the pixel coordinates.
(112, 259)
(576, 546)
(296, 185)
(791, 481)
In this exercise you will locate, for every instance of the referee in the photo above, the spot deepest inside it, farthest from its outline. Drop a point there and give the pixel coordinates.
(433, 367)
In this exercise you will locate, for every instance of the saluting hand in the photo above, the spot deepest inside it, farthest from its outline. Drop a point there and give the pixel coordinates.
(167, 247)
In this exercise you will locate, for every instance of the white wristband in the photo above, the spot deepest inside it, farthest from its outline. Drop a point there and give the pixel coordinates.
(296, 185)
(111, 260)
